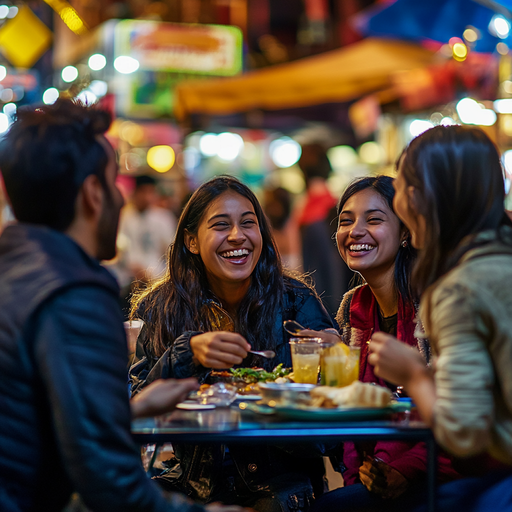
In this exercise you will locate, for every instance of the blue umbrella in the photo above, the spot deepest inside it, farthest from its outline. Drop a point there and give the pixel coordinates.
(439, 20)
(502, 6)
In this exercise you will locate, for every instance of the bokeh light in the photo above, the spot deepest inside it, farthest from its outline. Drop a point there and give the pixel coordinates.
(10, 109)
(126, 65)
(4, 123)
(229, 146)
(447, 121)
(342, 157)
(470, 35)
(87, 97)
(372, 153)
(161, 158)
(50, 96)
(99, 88)
(460, 51)
(503, 106)
(69, 74)
(285, 151)
(502, 48)
(471, 112)
(499, 26)
(418, 126)
(97, 61)
(506, 158)
(208, 144)
(191, 158)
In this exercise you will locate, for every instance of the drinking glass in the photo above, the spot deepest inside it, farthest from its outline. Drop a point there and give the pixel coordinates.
(340, 365)
(306, 359)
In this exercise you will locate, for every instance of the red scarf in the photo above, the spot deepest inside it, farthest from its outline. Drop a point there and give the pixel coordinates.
(365, 318)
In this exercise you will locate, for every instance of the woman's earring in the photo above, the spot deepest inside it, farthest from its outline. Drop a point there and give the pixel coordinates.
(404, 243)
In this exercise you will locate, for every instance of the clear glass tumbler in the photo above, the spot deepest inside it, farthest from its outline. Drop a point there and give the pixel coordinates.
(340, 365)
(306, 359)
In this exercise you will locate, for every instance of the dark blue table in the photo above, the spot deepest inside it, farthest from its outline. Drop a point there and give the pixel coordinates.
(232, 425)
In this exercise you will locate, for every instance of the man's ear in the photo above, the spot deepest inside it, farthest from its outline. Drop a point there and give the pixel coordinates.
(92, 196)
(191, 243)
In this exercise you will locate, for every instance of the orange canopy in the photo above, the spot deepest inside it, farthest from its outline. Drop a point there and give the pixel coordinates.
(335, 76)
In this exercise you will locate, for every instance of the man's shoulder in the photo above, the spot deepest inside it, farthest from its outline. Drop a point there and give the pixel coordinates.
(37, 261)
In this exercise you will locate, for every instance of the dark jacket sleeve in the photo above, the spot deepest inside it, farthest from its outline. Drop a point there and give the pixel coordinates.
(176, 362)
(81, 353)
(181, 359)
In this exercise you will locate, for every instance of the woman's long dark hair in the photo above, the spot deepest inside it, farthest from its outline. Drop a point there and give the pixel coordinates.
(405, 256)
(459, 189)
(172, 305)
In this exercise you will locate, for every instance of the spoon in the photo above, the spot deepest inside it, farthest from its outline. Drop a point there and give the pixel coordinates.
(293, 327)
(264, 353)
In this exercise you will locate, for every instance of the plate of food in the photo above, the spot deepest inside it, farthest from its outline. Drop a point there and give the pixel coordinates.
(356, 402)
(247, 380)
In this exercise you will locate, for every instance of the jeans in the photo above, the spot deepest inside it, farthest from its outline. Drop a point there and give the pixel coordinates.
(492, 492)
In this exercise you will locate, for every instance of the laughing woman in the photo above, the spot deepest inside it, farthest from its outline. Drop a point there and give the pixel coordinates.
(225, 293)
(450, 193)
(375, 243)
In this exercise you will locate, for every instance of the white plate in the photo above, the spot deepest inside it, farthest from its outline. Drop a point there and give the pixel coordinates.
(194, 407)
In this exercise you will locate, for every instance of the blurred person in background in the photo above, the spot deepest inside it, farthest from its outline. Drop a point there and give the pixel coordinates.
(64, 409)
(316, 217)
(277, 203)
(145, 232)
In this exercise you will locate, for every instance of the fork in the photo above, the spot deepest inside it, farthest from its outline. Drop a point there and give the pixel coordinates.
(264, 353)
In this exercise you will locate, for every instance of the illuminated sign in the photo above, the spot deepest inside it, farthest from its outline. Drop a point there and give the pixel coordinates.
(24, 38)
(179, 47)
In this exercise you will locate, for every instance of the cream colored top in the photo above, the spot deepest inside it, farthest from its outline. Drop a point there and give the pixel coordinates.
(470, 329)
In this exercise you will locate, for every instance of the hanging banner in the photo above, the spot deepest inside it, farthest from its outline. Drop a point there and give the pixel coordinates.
(181, 47)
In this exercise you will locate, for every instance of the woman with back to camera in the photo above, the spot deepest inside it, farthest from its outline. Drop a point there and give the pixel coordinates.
(373, 242)
(225, 293)
(450, 194)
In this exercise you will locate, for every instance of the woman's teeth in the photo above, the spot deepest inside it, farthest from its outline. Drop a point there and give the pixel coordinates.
(361, 247)
(234, 254)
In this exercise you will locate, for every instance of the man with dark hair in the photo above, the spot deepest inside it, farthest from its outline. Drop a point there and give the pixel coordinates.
(64, 409)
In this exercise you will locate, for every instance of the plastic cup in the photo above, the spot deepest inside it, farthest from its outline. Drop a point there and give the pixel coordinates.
(340, 365)
(306, 359)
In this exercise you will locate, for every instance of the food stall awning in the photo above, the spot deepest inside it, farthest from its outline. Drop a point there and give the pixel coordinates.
(336, 76)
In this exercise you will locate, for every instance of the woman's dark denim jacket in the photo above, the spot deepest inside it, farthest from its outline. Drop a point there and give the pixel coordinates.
(257, 468)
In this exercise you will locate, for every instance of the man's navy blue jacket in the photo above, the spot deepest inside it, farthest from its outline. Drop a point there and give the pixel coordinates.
(64, 410)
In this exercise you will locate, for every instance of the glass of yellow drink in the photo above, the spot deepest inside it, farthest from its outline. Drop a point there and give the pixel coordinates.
(306, 359)
(340, 365)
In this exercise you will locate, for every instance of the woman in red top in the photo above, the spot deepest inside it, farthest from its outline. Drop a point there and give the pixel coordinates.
(374, 243)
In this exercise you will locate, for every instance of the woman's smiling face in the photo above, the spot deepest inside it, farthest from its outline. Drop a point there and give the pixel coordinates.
(228, 240)
(369, 233)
